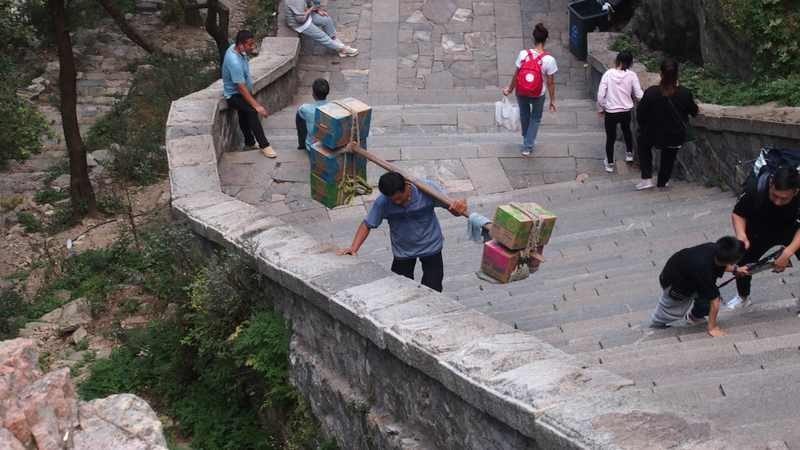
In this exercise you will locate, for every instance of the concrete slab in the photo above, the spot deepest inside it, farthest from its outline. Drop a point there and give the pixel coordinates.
(487, 175)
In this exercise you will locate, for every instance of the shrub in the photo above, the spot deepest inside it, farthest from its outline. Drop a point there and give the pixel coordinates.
(261, 19)
(22, 126)
(12, 311)
(30, 223)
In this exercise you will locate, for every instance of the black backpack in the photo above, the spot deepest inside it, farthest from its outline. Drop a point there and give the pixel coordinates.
(768, 161)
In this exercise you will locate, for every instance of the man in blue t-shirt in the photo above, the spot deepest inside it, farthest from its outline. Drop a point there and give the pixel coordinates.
(306, 115)
(237, 88)
(413, 227)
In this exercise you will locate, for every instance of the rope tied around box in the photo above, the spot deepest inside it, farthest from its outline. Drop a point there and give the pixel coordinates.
(351, 184)
(530, 252)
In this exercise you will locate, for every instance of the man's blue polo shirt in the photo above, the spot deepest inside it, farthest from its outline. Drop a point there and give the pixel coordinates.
(235, 70)
(308, 111)
(414, 230)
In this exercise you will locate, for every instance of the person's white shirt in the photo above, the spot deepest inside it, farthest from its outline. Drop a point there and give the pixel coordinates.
(549, 66)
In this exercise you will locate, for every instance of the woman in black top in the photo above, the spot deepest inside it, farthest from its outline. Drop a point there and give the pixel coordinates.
(663, 116)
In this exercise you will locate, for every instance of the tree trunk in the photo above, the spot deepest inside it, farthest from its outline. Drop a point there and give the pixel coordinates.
(81, 193)
(191, 14)
(217, 26)
(126, 28)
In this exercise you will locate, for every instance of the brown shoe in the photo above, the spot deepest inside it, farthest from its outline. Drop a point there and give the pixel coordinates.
(269, 152)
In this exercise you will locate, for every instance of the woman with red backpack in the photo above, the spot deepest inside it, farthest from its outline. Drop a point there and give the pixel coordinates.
(535, 69)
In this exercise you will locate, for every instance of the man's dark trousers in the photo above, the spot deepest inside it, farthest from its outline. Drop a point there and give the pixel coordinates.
(302, 130)
(432, 269)
(249, 122)
(759, 244)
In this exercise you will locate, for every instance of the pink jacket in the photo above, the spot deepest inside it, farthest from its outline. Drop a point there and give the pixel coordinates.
(617, 89)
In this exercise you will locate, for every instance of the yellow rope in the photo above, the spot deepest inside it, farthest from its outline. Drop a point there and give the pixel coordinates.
(351, 184)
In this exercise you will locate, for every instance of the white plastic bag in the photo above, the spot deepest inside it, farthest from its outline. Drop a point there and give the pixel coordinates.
(506, 114)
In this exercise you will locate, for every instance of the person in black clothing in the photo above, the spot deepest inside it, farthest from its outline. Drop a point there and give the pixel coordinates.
(663, 117)
(689, 283)
(762, 220)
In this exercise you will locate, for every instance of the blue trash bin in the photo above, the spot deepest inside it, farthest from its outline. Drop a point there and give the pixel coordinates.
(584, 16)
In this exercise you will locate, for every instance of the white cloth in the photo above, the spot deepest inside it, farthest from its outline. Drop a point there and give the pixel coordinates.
(506, 114)
(304, 26)
(617, 90)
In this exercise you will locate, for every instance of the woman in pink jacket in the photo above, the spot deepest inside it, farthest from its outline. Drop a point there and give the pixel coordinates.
(615, 101)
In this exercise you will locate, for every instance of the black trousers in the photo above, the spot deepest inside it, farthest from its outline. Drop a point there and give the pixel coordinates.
(611, 120)
(759, 244)
(432, 269)
(249, 122)
(667, 162)
(302, 131)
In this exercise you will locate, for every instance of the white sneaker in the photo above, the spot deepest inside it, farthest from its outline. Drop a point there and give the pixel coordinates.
(645, 184)
(527, 151)
(738, 302)
(608, 166)
(348, 51)
(628, 156)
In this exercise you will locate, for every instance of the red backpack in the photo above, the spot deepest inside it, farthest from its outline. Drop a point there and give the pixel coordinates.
(529, 76)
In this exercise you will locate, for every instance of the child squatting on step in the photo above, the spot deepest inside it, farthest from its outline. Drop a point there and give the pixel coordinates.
(689, 283)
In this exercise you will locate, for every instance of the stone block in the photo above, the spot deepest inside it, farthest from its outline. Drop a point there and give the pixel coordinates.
(431, 117)
(487, 175)
(188, 180)
(439, 11)
(461, 151)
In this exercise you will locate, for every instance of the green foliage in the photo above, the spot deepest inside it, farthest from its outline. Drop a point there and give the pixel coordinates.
(12, 311)
(30, 223)
(80, 14)
(137, 122)
(49, 196)
(773, 27)
(16, 31)
(22, 126)
(712, 86)
(262, 17)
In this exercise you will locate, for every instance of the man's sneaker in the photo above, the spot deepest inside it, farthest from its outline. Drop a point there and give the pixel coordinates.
(628, 156)
(269, 152)
(645, 184)
(348, 51)
(692, 320)
(608, 166)
(738, 302)
(527, 151)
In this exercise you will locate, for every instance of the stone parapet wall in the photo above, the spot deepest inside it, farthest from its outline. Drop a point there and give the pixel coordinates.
(385, 362)
(728, 137)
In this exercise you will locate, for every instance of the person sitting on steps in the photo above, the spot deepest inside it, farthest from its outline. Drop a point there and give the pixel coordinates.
(763, 220)
(413, 226)
(311, 20)
(306, 114)
(689, 283)
(237, 88)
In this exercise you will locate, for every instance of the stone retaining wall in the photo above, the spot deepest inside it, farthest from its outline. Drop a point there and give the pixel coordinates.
(387, 363)
(728, 137)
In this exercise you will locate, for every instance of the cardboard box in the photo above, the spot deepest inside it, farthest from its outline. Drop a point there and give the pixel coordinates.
(334, 123)
(499, 262)
(326, 193)
(332, 165)
(511, 227)
(517, 224)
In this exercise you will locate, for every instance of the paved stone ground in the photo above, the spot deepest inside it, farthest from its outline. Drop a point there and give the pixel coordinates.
(432, 82)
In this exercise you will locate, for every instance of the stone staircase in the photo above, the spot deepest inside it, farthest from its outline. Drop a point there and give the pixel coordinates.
(593, 295)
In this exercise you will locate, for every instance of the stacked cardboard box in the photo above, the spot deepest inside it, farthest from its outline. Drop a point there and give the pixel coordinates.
(519, 233)
(329, 164)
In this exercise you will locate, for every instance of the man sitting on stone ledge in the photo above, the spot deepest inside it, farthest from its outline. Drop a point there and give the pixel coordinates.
(413, 227)
(237, 88)
(306, 114)
(311, 20)
(689, 281)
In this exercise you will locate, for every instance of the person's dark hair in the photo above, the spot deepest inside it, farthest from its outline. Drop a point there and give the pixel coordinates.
(540, 33)
(786, 178)
(624, 60)
(391, 183)
(669, 76)
(320, 89)
(729, 250)
(242, 36)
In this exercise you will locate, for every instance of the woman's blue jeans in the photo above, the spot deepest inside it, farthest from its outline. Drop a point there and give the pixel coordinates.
(530, 116)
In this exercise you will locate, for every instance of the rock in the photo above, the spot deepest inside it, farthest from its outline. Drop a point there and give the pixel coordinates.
(79, 335)
(90, 161)
(61, 183)
(8, 441)
(119, 421)
(37, 329)
(462, 15)
(134, 322)
(42, 412)
(70, 316)
(51, 408)
(439, 11)
(62, 294)
(706, 37)
(102, 156)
